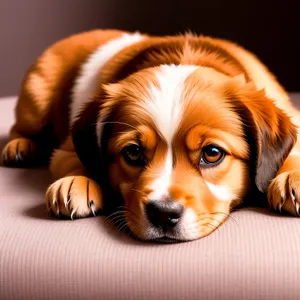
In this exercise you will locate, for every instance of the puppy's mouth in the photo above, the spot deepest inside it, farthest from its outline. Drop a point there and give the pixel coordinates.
(164, 235)
(169, 223)
(167, 240)
(172, 224)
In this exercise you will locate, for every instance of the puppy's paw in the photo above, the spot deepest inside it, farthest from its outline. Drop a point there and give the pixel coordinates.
(74, 196)
(19, 153)
(284, 192)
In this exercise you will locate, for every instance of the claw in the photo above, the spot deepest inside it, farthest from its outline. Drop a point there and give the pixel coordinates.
(55, 203)
(293, 197)
(297, 206)
(57, 208)
(19, 157)
(280, 206)
(66, 202)
(92, 207)
(72, 214)
(69, 196)
(69, 200)
(5, 156)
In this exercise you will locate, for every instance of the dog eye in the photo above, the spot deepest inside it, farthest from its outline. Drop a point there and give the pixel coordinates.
(211, 156)
(133, 155)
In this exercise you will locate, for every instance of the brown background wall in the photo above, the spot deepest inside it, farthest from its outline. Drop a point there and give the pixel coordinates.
(269, 28)
(27, 27)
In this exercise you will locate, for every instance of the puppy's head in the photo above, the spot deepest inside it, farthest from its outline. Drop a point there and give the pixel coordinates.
(182, 145)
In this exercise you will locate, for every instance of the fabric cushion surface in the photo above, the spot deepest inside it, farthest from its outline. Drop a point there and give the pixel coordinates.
(254, 255)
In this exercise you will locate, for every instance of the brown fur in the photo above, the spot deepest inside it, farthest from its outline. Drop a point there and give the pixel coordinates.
(249, 123)
(42, 107)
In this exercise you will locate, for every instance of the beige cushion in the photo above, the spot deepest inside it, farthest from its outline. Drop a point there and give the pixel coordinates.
(257, 256)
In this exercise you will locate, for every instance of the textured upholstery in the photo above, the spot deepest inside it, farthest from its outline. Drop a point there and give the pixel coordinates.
(254, 256)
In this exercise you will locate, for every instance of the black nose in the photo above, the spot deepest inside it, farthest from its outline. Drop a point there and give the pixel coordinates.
(164, 213)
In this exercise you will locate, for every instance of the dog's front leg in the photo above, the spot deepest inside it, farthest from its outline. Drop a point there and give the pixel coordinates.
(284, 190)
(73, 194)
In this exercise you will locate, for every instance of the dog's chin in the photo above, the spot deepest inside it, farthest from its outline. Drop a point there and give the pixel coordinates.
(169, 236)
(166, 240)
(175, 235)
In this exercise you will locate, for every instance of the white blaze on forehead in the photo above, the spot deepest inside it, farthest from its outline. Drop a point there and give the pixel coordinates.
(221, 192)
(164, 102)
(163, 181)
(89, 77)
(165, 105)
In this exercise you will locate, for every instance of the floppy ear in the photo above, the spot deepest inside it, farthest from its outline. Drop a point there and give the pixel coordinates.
(85, 139)
(90, 133)
(277, 136)
(269, 133)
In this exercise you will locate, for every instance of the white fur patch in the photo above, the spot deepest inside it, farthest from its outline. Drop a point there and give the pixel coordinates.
(221, 192)
(88, 80)
(165, 105)
(161, 185)
(164, 102)
(295, 152)
(189, 228)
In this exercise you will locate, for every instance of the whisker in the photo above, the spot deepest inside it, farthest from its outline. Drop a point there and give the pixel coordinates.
(122, 212)
(115, 213)
(135, 230)
(120, 123)
(197, 225)
(129, 230)
(229, 216)
(125, 209)
(112, 222)
(124, 225)
(220, 212)
(113, 218)
(213, 227)
(132, 215)
(139, 191)
(121, 206)
(118, 221)
(210, 219)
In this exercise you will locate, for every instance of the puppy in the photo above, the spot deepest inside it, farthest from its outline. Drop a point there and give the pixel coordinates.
(181, 129)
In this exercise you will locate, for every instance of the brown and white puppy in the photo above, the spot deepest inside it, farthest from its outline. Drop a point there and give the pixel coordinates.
(183, 128)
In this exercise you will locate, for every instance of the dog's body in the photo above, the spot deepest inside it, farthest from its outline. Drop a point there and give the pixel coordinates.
(182, 127)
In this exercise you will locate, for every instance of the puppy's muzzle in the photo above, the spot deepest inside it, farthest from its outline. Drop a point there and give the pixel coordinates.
(164, 214)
